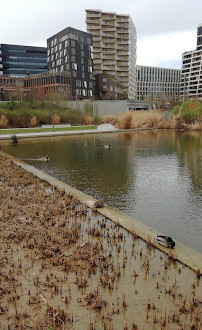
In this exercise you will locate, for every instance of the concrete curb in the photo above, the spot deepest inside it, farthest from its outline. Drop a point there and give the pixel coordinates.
(181, 253)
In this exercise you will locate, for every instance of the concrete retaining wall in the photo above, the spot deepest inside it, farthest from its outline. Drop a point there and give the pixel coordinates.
(107, 107)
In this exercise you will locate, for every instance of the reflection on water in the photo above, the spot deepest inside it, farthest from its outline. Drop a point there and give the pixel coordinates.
(153, 176)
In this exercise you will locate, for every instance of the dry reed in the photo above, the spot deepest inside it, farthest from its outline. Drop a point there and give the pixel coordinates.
(3, 121)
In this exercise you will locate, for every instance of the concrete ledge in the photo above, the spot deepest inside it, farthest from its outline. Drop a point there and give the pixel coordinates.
(181, 253)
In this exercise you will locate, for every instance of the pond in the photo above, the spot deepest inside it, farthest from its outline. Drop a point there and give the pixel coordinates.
(153, 176)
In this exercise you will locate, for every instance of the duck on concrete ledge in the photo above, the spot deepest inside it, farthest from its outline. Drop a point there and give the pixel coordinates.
(98, 204)
(165, 241)
(44, 159)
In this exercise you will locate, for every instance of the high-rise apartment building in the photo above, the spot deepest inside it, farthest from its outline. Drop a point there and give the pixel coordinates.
(19, 61)
(156, 83)
(71, 51)
(191, 79)
(114, 47)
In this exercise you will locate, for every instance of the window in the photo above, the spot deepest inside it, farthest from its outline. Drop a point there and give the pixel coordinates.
(61, 53)
(89, 41)
(84, 84)
(83, 75)
(60, 46)
(66, 43)
(82, 61)
(111, 89)
(90, 93)
(67, 66)
(104, 79)
(90, 69)
(91, 49)
(74, 66)
(90, 84)
(78, 83)
(74, 74)
(66, 59)
(73, 51)
(82, 67)
(82, 53)
(105, 86)
(91, 55)
(73, 58)
(84, 92)
(73, 44)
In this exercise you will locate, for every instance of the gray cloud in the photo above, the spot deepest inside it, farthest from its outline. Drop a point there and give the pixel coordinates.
(31, 22)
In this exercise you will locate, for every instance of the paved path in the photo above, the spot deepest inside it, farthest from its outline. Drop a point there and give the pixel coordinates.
(100, 128)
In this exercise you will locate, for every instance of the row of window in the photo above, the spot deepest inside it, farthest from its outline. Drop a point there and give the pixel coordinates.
(69, 35)
(60, 47)
(64, 52)
(84, 92)
(27, 58)
(28, 69)
(26, 63)
(84, 83)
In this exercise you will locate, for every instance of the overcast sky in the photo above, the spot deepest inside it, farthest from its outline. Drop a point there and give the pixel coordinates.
(165, 28)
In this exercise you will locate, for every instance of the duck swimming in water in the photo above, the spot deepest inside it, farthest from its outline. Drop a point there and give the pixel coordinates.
(165, 241)
(107, 146)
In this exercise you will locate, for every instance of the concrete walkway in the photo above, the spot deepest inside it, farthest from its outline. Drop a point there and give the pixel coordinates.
(101, 128)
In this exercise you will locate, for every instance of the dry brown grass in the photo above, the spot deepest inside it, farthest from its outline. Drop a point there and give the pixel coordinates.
(33, 121)
(88, 120)
(196, 126)
(110, 119)
(149, 119)
(56, 119)
(139, 119)
(3, 121)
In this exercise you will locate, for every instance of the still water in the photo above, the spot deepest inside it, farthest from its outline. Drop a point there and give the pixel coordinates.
(152, 176)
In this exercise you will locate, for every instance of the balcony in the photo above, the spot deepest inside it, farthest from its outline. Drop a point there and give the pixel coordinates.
(92, 21)
(93, 15)
(94, 27)
(96, 50)
(107, 46)
(111, 40)
(109, 29)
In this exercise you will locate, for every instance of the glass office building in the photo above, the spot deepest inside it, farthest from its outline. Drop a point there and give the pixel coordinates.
(20, 61)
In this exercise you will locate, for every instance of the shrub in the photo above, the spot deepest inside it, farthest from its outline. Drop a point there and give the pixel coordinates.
(190, 111)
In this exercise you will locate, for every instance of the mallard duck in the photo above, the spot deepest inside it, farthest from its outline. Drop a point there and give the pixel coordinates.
(98, 204)
(165, 241)
(44, 159)
(107, 146)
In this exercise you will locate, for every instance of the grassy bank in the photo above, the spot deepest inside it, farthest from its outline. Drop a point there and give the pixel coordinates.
(40, 130)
